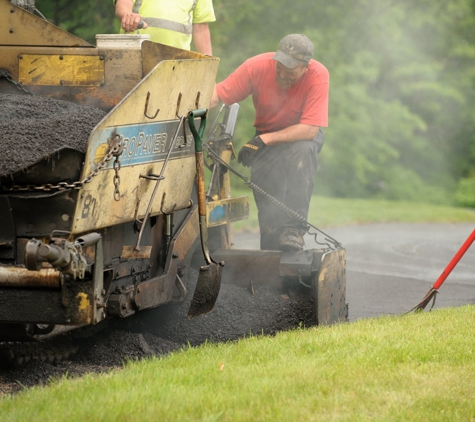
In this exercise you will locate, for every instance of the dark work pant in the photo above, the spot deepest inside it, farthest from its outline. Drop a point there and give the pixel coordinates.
(286, 172)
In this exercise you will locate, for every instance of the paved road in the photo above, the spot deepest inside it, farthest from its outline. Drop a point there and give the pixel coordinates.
(390, 267)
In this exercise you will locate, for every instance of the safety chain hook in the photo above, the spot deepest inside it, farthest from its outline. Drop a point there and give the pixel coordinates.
(116, 178)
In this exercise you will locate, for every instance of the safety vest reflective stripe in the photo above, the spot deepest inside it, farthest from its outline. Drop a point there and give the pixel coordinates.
(166, 23)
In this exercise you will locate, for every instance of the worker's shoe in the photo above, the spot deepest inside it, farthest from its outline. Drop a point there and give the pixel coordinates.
(291, 239)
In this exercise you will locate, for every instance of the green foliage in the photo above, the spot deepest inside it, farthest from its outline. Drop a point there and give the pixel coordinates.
(82, 18)
(402, 98)
(465, 193)
(401, 83)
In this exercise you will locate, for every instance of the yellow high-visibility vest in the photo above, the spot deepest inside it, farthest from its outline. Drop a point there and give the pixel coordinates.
(171, 22)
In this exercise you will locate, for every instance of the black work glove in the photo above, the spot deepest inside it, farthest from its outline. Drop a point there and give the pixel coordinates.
(249, 151)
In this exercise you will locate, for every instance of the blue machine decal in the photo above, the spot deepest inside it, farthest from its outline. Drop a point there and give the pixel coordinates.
(146, 142)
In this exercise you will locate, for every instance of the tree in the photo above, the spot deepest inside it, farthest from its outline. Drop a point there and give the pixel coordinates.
(83, 18)
(402, 124)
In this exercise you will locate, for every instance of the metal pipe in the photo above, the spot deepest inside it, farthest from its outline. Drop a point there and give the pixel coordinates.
(158, 179)
(47, 278)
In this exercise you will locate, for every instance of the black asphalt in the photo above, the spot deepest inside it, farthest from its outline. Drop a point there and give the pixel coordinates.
(390, 267)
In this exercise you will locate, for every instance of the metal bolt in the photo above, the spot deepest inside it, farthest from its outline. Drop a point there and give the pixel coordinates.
(175, 255)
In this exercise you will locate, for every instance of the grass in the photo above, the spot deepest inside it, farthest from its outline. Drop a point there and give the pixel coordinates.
(416, 367)
(326, 212)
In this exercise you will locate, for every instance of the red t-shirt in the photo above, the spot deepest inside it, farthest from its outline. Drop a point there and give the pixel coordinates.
(304, 102)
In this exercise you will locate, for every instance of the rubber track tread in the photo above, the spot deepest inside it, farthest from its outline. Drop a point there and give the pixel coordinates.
(15, 354)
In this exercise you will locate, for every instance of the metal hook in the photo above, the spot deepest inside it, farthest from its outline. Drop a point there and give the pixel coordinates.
(163, 203)
(146, 108)
(197, 101)
(178, 103)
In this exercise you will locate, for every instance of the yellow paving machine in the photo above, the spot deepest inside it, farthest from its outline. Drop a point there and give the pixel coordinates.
(112, 230)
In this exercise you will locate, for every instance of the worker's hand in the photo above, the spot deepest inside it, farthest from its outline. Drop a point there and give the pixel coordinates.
(131, 22)
(249, 151)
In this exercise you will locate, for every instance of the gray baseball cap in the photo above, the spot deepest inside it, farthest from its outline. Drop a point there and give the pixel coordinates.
(294, 49)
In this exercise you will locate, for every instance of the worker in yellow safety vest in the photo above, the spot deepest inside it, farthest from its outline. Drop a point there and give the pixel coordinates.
(173, 23)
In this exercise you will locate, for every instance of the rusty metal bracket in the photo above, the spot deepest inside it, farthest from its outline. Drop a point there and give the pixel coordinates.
(178, 104)
(172, 209)
(152, 176)
(197, 101)
(145, 111)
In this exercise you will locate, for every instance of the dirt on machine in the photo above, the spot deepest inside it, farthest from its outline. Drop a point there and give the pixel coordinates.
(102, 189)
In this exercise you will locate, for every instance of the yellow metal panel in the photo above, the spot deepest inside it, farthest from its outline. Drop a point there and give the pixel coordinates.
(97, 208)
(65, 70)
(153, 52)
(123, 71)
(176, 88)
(193, 79)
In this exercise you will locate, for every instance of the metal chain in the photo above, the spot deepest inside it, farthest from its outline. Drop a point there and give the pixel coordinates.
(47, 187)
(116, 178)
(6, 74)
(333, 243)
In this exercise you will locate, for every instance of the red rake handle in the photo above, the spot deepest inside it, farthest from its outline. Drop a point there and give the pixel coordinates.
(454, 261)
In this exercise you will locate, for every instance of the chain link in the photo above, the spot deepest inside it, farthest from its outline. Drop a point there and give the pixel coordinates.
(5, 74)
(116, 178)
(116, 150)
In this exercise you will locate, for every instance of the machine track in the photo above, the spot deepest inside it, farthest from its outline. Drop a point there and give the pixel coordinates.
(15, 354)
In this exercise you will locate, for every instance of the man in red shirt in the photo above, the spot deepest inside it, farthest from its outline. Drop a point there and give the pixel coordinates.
(290, 95)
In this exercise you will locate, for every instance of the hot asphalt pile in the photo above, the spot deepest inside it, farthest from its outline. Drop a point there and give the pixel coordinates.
(32, 128)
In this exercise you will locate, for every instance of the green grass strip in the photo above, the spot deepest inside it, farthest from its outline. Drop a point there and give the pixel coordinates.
(417, 367)
(328, 212)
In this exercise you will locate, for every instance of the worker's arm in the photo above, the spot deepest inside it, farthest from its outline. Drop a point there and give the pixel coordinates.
(128, 19)
(215, 100)
(202, 38)
(298, 132)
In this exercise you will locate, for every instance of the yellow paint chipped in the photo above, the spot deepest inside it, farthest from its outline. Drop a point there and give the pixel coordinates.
(84, 303)
(100, 152)
(64, 70)
(84, 307)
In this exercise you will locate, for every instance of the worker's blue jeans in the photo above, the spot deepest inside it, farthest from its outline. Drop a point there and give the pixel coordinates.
(285, 171)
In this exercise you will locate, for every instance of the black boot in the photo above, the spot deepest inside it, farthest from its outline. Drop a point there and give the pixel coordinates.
(291, 239)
